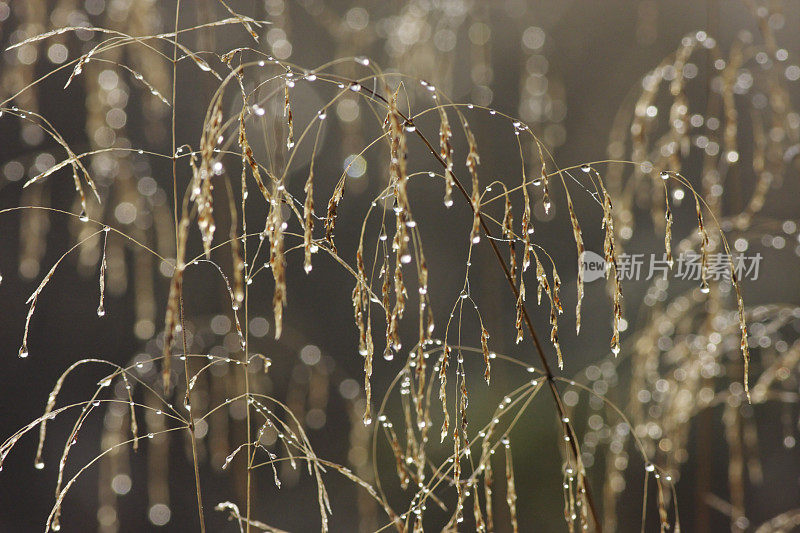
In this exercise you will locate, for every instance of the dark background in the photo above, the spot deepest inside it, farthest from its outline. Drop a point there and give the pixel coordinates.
(594, 49)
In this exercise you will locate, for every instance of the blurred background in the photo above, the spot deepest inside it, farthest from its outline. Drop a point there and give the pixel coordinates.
(573, 71)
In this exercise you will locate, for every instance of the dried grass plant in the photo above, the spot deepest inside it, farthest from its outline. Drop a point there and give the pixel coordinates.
(246, 201)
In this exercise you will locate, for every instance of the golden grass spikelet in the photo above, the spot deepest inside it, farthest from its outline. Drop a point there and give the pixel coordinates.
(701, 230)
(308, 217)
(473, 160)
(463, 404)
(527, 230)
(576, 232)
(387, 305)
(508, 234)
(520, 311)
(172, 314)
(330, 217)
(743, 345)
(287, 113)
(202, 186)
(399, 455)
(419, 396)
(398, 177)
(446, 153)
(557, 290)
(400, 293)
(663, 515)
(668, 233)
(511, 490)
(487, 374)
(554, 335)
(541, 280)
(480, 525)
(249, 160)
(359, 304)
(277, 264)
(238, 265)
(367, 388)
(444, 362)
(610, 257)
(457, 474)
(488, 484)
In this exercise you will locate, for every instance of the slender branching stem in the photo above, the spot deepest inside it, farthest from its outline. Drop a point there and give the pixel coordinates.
(562, 415)
(180, 294)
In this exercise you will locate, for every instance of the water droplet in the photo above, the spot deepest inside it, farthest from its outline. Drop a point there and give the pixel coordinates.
(355, 87)
(665, 175)
(101, 311)
(586, 168)
(23, 352)
(38, 465)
